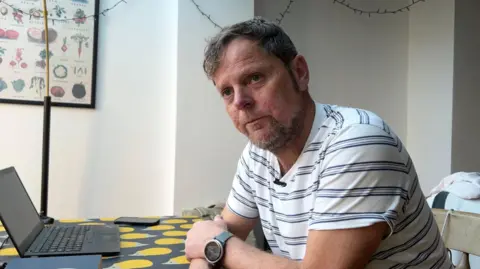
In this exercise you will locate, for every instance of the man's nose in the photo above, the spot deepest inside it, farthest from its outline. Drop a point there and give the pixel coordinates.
(243, 99)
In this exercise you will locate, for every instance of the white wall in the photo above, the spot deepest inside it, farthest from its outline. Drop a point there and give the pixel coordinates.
(430, 90)
(99, 156)
(354, 60)
(207, 144)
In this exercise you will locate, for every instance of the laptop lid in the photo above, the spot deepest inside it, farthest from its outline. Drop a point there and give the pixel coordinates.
(17, 212)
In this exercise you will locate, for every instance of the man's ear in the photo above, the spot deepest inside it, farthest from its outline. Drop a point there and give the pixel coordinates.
(300, 70)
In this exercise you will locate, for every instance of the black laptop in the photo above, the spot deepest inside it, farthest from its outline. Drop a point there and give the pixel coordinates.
(32, 238)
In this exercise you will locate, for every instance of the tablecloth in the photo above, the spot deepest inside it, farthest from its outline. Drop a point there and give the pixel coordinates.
(159, 246)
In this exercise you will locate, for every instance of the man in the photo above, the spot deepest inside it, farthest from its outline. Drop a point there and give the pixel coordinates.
(332, 186)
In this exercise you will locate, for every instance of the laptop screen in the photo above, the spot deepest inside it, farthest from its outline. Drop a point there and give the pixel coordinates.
(17, 211)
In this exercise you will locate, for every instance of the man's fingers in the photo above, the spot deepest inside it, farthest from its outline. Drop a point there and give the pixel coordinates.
(218, 218)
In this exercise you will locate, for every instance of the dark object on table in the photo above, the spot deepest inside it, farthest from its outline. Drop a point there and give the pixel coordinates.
(77, 262)
(31, 237)
(137, 221)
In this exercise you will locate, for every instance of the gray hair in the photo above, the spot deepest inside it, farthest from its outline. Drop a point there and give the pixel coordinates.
(270, 36)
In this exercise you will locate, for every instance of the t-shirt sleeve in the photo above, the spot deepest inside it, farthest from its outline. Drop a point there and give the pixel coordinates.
(364, 179)
(241, 197)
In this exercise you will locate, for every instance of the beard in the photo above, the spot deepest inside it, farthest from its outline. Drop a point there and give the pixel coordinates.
(279, 135)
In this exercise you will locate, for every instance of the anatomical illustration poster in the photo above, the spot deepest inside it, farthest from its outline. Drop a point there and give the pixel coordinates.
(72, 34)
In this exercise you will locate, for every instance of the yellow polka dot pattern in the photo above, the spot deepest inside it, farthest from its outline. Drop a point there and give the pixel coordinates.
(157, 246)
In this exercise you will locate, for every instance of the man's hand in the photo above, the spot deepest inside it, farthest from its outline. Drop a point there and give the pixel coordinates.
(199, 264)
(199, 234)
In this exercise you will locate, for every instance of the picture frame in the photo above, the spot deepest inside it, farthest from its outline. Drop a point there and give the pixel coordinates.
(73, 38)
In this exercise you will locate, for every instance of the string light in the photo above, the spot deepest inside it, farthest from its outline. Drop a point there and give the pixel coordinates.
(287, 10)
(378, 11)
(34, 14)
(279, 20)
(207, 16)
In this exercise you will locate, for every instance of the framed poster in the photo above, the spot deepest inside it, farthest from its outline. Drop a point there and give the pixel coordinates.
(72, 34)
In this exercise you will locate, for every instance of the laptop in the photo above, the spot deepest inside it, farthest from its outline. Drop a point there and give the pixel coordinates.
(32, 238)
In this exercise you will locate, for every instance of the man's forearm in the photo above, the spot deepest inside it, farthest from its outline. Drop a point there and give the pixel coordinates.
(240, 255)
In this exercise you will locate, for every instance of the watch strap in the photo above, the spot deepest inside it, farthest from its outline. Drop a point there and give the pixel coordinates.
(223, 237)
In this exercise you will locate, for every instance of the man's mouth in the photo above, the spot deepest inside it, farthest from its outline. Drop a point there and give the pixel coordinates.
(255, 123)
(254, 120)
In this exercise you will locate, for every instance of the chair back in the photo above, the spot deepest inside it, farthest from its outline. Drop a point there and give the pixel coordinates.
(460, 231)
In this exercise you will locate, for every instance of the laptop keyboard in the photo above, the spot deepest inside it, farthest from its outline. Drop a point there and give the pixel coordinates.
(60, 239)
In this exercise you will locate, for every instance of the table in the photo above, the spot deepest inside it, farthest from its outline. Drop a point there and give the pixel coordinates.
(160, 246)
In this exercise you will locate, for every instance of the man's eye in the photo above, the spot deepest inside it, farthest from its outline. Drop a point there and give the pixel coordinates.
(227, 92)
(255, 78)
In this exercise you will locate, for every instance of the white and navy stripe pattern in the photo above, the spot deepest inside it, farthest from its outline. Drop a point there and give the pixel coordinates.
(353, 172)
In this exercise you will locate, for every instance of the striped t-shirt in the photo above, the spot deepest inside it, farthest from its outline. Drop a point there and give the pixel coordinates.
(353, 172)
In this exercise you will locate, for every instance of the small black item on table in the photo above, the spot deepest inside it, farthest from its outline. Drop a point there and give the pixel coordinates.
(137, 221)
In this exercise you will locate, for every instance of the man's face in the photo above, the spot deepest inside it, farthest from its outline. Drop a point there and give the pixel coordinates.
(263, 99)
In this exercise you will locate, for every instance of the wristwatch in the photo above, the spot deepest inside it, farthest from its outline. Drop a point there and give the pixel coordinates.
(215, 248)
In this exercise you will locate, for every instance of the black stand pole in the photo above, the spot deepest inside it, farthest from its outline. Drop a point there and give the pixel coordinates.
(45, 161)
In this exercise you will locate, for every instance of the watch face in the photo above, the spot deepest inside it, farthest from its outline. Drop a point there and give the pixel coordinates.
(213, 251)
